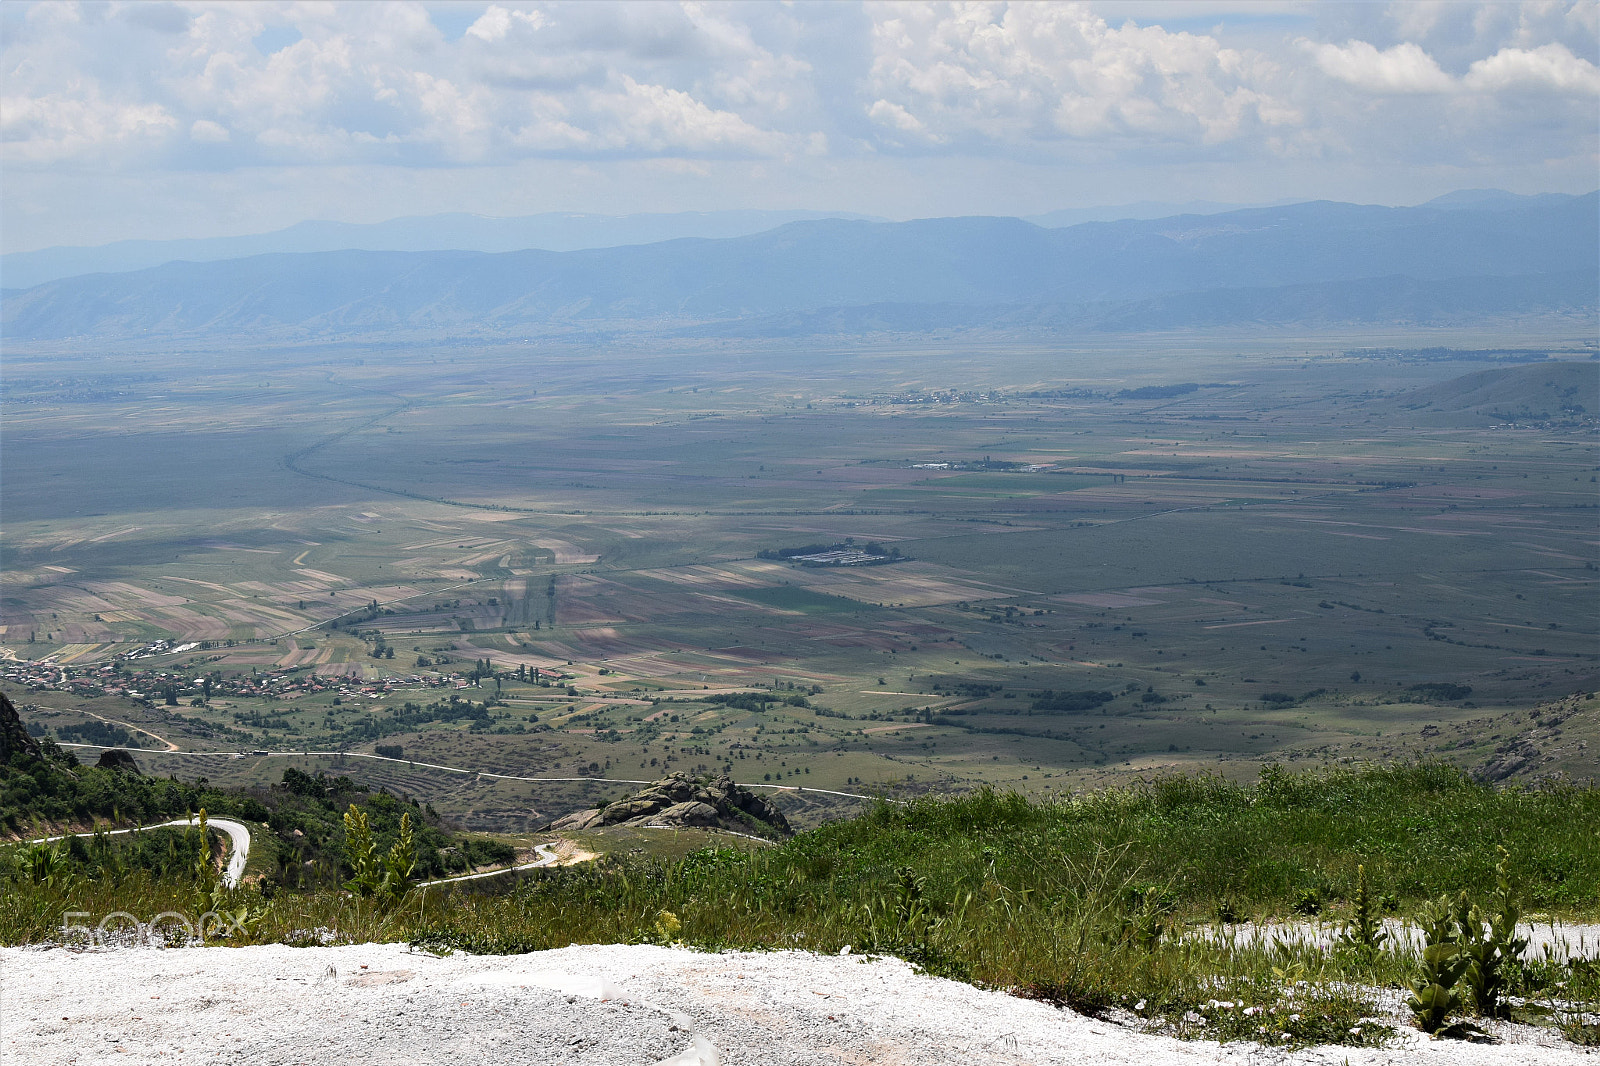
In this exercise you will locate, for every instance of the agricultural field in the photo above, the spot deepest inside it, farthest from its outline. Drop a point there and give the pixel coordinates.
(543, 561)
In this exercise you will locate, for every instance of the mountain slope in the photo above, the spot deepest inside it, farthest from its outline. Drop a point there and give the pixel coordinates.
(1537, 392)
(556, 232)
(803, 266)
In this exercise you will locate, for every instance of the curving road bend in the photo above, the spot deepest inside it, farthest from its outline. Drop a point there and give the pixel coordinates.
(547, 857)
(239, 852)
(238, 836)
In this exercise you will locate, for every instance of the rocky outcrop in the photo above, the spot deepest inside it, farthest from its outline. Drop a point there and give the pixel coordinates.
(118, 759)
(14, 738)
(1524, 754)
(1553, 742)
(681, 800)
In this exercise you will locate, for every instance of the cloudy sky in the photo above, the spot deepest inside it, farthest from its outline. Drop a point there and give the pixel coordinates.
(170, 119)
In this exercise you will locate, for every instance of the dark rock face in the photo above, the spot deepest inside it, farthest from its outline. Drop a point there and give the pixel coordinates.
(117, 759)
(14, 739)
(680, 800)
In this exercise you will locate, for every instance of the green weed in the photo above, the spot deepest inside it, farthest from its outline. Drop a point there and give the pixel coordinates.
(1433, 996)
(1489, 942)
(1363, 934)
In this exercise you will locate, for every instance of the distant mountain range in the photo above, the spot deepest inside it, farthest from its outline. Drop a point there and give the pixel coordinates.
(551, 232)
(554, 232)
(1474, 255)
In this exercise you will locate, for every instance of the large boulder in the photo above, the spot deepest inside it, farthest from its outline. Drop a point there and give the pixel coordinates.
(693, 813)
(589, 819)
(118, 759)
(680, 800)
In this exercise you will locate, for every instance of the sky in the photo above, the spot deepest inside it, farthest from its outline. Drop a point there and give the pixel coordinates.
(175, 119)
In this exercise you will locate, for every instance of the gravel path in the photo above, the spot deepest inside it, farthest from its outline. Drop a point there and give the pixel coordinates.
(603, 1005)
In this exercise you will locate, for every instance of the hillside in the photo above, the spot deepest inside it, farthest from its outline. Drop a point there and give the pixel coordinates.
(954, 263)
(1535, 392)
(302, 841)
(1117, 905)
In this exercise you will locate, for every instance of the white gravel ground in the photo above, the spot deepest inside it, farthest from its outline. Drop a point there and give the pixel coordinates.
(613, 1005)
(1550, 941)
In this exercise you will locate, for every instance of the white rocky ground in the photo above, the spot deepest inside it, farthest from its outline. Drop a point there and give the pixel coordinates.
(1548, 940)
(613, 1005)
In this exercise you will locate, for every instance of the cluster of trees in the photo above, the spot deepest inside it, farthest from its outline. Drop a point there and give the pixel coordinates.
(409, 717)
(1082, 700)
(848, 544)
(309, 832)
(102, 733)
(756, 701)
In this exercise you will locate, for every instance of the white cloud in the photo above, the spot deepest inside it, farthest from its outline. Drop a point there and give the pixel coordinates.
(54, 127)
(894, 115)
(1549, 67)
(498, 23)
(379, 83)
(207, 132)
(655, 118)
(1405, 68)
(994, 72)
(639, 119)
(120, 88)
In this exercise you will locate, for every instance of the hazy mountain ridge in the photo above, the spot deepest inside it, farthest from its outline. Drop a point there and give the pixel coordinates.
(1316, 261)
(552, 231)
(564, 232)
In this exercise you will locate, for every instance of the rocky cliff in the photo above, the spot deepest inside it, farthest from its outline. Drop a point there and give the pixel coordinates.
(14, 739)
(682, 801)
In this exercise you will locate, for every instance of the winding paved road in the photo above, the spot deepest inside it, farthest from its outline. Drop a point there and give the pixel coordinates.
(238, 835)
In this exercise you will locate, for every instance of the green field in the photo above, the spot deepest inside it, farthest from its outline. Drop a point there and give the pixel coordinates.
(1264, 569)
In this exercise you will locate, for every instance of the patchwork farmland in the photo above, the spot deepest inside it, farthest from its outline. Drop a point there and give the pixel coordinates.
(1329, 552)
